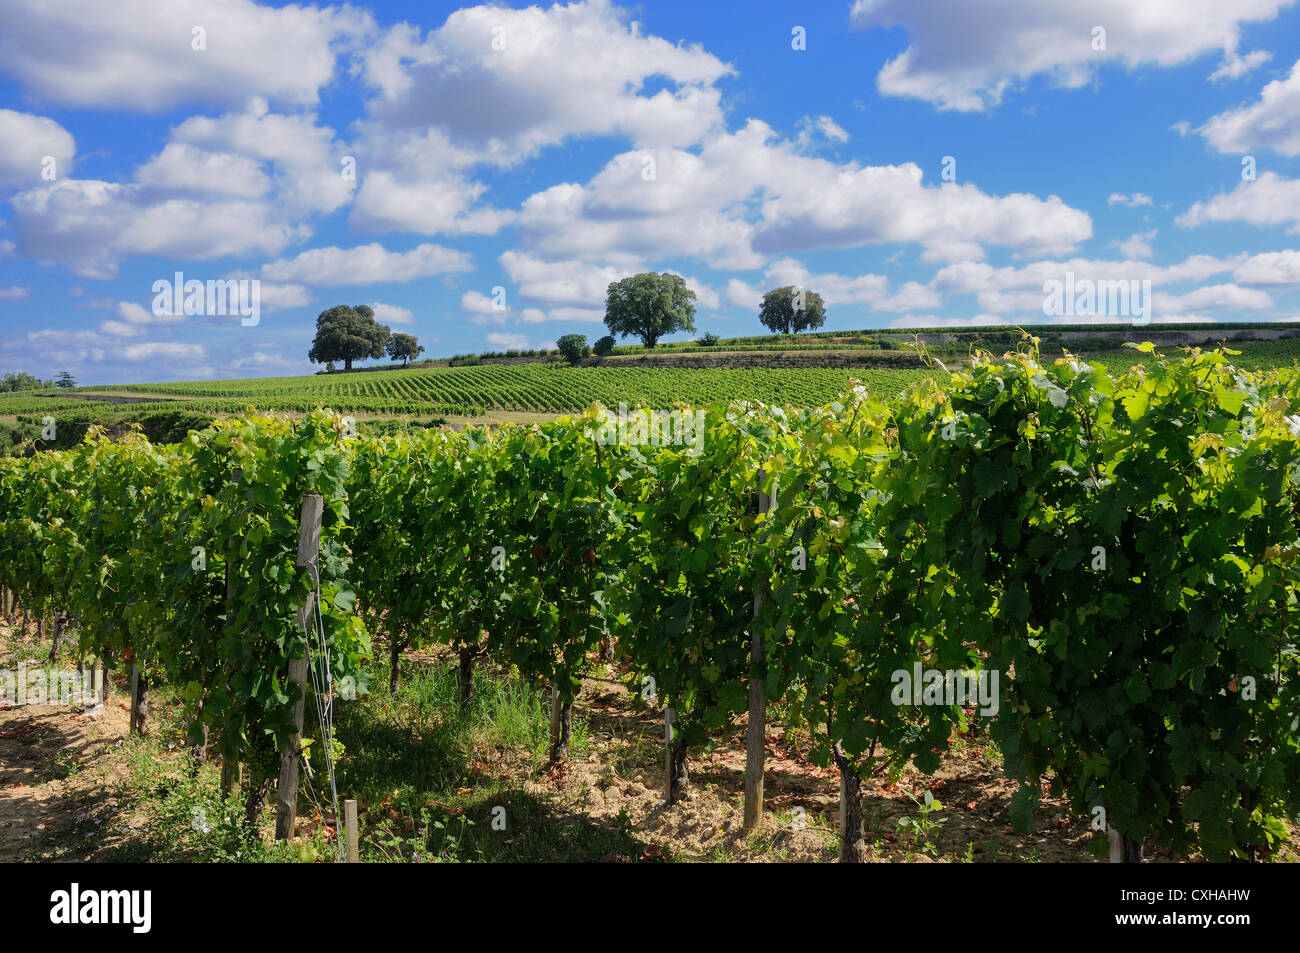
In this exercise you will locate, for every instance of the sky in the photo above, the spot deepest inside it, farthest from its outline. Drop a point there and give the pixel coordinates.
(479, 175)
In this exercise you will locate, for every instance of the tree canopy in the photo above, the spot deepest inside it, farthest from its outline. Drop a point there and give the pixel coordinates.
(573, 347)
(792, 309)
(649, 306)
(348, 334)
(404, 348)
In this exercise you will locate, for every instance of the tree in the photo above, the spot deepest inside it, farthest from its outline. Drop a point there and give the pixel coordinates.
(649, 306)
(792, 309)
(348, 334)
(603, 346)
(22, 381)
(404, 347)
(65, 380)
(573, 347)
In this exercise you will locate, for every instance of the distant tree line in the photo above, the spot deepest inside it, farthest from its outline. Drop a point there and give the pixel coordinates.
(14, 381)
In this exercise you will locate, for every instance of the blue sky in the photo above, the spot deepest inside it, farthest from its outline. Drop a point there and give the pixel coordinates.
(548, 150)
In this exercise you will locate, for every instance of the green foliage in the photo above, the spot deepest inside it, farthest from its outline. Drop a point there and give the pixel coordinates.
(649, 306)
(792, 309)
(709, 340)
(403, 347)
(604, 346)
(348, 334)
(573, 347)
(19, 381)
(1125, 547)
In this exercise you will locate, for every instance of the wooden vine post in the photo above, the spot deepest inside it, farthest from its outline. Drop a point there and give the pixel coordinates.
(353, 854)
(309, 524)
(668, 754)
(756, 736)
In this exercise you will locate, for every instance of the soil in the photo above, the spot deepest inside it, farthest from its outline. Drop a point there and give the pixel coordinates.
(57, 763)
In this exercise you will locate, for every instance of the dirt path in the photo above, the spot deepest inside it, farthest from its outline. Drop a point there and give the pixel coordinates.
(57, 766)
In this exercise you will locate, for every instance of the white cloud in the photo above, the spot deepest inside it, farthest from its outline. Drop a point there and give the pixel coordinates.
(29, 141)
(1019, 290)
(366, 264)
(966, 57)
(563, 282)
(154, 350)
(90, 225)
(579, 69)
(745, 197)
(743, 295)
(590, 315)
(1269, 200)
(1137, 245)
(1271, 123)
(1132, 201)
(278, 297)
(392, 314)
(508, 342)
(181, 167)
(13, 293)
(1270, 268)
(305, 159)
(815, 131)
(135, 313)
(1235, 67)
(139, 55)
(1223, 297)
(478, 303)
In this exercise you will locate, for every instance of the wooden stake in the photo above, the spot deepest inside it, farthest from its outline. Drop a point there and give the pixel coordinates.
(756, 736)
(555, 715)
(350, 826)
(309, 525)
(668, 755)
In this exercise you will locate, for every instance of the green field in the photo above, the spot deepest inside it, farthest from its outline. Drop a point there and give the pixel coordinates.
(532, 387)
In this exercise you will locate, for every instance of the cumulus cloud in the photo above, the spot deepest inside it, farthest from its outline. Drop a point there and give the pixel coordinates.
(1271, 123)
(967, 56)
(366, 264)
(392, 314)
(748, 196)
(1279, 268)
(508, 342)
(140, 54)
(30, 144)
(1269, 200)
(560, 282)
(509, 82)
(90, 225)
(1137, 245)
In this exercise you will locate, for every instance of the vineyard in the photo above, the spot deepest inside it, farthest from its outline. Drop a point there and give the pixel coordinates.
(1107, 557)
(536, 387)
